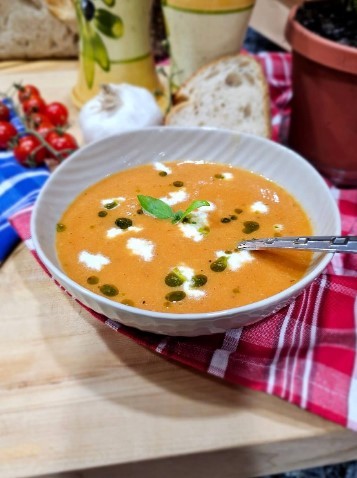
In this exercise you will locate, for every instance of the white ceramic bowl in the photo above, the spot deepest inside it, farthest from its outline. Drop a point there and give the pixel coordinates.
(91, 163)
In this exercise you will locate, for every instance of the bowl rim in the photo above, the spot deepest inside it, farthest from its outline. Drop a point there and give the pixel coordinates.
(281, 297)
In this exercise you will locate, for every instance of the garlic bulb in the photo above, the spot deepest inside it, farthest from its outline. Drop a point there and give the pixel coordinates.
(117, 108)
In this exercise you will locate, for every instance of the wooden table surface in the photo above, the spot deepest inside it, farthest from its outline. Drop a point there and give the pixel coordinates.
(74, 395)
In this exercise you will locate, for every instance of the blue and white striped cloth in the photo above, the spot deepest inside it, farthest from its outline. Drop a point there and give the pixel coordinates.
(19, 187)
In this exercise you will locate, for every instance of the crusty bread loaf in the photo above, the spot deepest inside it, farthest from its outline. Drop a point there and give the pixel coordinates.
(230, 92)
(37, 29)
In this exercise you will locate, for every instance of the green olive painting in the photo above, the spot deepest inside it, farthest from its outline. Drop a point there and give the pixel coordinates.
(92, 23)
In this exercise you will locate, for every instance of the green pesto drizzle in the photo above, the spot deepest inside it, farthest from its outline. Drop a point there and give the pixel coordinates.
(250, 226)
(178, 184)
(111, 205)
(60, 227)
(174, 280)
(93, 280)
(175, 296)
(109, 290)
(199, 280)
(128, 302)
(123, 222)
(220, 264)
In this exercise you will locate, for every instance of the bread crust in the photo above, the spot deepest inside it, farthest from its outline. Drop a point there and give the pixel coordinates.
(182, 98)
(34, 29)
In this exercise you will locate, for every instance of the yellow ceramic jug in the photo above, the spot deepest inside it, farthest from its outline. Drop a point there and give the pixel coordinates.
(115, 46)
(201, 30)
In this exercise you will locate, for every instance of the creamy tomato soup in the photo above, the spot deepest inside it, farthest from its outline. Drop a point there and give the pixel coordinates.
(108, 244)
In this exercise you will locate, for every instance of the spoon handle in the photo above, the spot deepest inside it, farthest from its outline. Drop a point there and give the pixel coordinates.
(311, 243)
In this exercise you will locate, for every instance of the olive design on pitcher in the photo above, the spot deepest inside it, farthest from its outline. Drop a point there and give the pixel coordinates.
(94, 22)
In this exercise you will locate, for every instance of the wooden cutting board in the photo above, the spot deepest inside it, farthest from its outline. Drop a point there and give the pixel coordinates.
(74, 394)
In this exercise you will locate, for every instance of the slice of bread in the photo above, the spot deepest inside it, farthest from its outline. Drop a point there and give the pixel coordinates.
(33, 29)
(231, 92)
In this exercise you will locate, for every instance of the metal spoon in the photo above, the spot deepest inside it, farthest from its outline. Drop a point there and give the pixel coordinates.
(310, 243)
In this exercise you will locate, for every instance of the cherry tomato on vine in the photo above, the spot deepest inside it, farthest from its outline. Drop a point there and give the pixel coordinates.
(25, 92)
(44, 128)
(7, 133)
(57, 113)
(35, 120)
(62, 142)
(29, 151)
(40, 123)
(4, 112)
(35, 104)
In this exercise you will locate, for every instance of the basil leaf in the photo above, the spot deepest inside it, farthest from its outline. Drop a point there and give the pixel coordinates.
(161, 210)
(155, 207)
(194, 205)
(177, 217)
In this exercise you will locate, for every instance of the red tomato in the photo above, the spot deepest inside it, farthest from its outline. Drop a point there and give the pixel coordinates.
(4, 112)
(62, 142)
(35, 104)
(29, 151)
(57, 113)
(45, 128)
(26, 92)
(35, 120)
(40, 123)
(7, 132)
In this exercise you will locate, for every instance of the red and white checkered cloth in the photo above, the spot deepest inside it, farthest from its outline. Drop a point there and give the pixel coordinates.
(307, 352)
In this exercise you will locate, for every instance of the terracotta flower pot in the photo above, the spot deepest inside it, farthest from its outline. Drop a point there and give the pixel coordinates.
(323, 125)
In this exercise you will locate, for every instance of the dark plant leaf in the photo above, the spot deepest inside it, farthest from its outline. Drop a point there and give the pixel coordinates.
(100, 52)
(87, 55)
(109, 24)
(109, 3)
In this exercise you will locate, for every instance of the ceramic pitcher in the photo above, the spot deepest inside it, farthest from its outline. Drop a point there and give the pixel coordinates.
(201, 30)
(115, 46)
